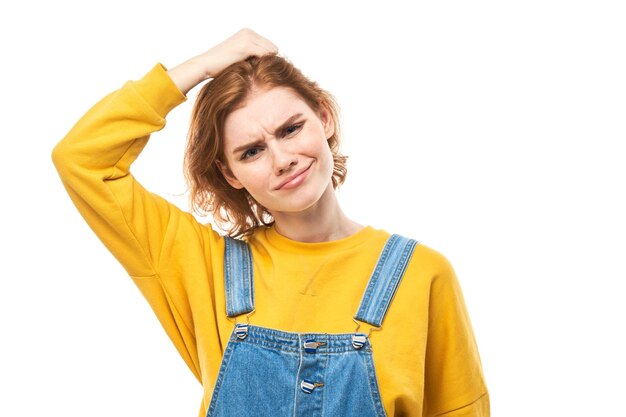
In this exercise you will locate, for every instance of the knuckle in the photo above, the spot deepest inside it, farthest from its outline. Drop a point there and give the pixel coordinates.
(247, 32)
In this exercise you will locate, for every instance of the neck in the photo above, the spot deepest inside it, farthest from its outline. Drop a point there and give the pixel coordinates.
(323, 222)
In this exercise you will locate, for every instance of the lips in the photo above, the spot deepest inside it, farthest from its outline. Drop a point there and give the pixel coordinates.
(295, 176)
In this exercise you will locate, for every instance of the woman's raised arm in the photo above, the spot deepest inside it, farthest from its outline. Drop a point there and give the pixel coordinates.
(165, 250)
(94, 158)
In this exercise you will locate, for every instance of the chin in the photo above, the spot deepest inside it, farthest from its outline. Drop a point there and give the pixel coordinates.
(297, 202)
(295, 206)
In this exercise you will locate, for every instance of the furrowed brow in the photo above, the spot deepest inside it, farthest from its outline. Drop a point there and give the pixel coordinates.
(278, 130)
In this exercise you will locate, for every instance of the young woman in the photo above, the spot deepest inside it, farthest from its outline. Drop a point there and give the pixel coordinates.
(276, 316)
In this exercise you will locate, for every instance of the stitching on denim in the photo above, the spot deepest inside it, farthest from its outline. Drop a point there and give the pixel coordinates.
(325, 387)
(373, 384)
(339, 350)
(397, 275)
(237, 278)
(296, 392)
(240, 277)
(220, 377)
(248, 275)
(367, 295)
(337, 343)
(375, 279)
(238, 273)
(379, 309)
(227, 277)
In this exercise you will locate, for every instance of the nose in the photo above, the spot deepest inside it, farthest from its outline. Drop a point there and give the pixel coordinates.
(283, 160)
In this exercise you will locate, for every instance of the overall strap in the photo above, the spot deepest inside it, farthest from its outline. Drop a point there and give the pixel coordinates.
(385, 279)
(238, 277)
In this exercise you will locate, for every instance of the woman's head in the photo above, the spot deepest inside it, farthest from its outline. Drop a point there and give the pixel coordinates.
(240, 152)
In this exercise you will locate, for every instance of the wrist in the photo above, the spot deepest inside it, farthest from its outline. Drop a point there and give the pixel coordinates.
(188, 74)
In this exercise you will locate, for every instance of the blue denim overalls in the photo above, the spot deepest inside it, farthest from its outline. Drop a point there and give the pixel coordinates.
(268, 372)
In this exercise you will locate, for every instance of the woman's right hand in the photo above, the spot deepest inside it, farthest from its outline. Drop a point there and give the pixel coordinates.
(207, 65)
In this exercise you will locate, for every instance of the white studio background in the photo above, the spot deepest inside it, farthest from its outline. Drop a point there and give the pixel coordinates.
(491, 131)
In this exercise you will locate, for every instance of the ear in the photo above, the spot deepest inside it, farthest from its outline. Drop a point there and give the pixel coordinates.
(327, 121)
(228, 175)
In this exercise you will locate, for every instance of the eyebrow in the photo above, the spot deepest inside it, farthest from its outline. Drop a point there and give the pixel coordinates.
(278, 130)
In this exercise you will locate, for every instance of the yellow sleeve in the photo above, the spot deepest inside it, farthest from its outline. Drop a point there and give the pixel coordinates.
(138, 227)
(93, 161)
(454, 381)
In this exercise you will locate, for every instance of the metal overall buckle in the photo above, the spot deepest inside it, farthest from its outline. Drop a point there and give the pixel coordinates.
(241, 330)
(359, 339)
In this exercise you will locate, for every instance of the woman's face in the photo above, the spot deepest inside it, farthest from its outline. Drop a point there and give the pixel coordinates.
(276, 148)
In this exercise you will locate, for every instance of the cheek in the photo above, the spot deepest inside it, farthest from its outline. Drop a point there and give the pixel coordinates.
(328, 155)
(251, 177)
(331, 165)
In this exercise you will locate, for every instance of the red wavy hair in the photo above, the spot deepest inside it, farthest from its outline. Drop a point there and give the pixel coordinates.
(233, 210)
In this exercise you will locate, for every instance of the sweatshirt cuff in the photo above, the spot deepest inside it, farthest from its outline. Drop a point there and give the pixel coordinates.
(158, 89)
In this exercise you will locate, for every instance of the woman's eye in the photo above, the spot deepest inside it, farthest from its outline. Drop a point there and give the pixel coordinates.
(252, 152)
(292, 129)
(249, 153)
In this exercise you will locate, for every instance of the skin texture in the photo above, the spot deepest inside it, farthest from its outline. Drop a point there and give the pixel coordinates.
(273, 157)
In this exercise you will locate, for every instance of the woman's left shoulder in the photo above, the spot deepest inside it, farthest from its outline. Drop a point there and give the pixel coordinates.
(421, 249)
(426, 259)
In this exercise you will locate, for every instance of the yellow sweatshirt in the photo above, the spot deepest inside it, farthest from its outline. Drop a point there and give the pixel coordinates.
(425, 356)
